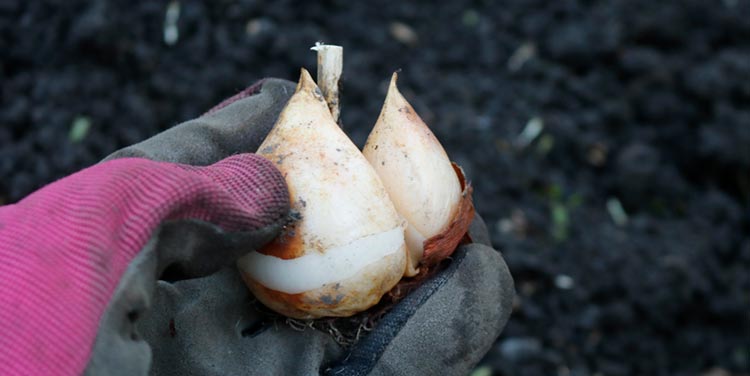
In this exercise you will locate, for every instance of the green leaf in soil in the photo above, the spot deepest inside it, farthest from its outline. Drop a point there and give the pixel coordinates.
(560, 221)
(79, 129)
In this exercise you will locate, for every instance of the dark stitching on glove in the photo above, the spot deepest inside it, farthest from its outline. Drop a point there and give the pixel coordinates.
(172, 329)
(254, 329)
(364, 356)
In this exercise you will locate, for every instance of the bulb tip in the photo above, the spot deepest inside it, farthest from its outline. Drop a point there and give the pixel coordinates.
(393, 93)
(308, 88)
(306, 81)
(392, 86)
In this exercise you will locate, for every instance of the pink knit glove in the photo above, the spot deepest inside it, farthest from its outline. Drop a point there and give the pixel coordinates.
(65, 248)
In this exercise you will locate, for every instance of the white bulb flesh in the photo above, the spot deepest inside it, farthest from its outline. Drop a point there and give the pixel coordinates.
(315, 270)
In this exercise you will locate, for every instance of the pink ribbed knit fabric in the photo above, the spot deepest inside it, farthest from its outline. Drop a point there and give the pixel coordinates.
(64, 248)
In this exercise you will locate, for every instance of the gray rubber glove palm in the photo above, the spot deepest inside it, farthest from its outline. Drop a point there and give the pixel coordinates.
(211, 325)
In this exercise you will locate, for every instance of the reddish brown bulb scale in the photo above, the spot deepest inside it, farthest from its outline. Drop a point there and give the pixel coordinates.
(441, 246)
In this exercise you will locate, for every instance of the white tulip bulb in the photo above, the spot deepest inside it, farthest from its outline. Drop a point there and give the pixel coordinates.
(348, 248)
(417, 173)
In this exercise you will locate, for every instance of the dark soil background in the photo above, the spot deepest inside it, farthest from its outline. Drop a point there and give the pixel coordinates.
(625, 220)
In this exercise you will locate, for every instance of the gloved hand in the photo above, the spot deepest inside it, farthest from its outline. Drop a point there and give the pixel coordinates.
(209, 325)
(80, 256)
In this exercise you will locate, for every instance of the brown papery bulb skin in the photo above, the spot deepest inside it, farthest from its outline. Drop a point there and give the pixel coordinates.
(420, 179)
(348, 248)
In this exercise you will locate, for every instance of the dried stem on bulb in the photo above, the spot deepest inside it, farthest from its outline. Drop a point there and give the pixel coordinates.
(330, 66)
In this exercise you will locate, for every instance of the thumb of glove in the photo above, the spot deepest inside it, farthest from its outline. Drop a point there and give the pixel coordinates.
(242, 208)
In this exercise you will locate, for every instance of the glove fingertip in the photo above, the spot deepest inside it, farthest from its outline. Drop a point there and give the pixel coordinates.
(487, 264)
(478, 231)
(247, 92)
(255, 184)
(461, 320)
